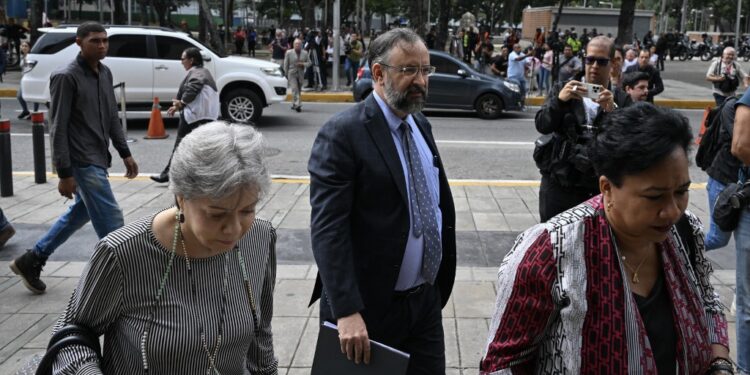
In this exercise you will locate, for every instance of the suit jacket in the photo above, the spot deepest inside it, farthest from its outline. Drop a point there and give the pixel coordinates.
(360, 214)
(290, 63)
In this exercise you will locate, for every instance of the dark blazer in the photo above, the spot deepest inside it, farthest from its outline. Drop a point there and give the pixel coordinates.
(360, 214)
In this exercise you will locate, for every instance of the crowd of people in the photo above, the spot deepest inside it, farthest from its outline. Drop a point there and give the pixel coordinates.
(617, 262)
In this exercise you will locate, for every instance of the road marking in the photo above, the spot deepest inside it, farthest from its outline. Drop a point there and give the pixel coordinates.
(292, 179)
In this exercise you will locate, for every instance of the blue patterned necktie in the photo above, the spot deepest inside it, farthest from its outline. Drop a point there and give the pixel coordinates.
(423, 209)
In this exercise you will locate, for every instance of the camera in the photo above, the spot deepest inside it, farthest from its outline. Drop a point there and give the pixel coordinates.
(741, 198)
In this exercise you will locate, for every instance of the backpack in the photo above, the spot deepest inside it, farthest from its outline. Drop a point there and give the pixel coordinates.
(710, 140)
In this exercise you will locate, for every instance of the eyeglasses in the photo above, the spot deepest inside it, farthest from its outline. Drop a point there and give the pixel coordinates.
(602, 61)
(411, 71)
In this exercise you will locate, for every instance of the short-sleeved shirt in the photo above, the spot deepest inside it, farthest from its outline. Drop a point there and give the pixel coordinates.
(732, 70)
(515, 67)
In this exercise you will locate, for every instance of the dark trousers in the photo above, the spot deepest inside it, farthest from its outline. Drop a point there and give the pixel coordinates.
(413, 324)
(183, 129)
(718, 98)
(554, 199)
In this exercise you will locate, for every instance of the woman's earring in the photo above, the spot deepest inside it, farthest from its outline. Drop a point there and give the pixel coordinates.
(609, 206)
(181, 216)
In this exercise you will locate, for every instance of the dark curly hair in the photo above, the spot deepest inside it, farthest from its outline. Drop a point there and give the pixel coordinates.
(636, 138)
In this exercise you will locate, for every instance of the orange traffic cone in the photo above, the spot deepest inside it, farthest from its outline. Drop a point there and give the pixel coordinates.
(156, 123)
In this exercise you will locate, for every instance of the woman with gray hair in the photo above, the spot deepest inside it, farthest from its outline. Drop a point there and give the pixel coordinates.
(189, 289)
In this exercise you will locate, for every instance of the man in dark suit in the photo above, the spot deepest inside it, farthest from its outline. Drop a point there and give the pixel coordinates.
(383, 220)
(655, 84)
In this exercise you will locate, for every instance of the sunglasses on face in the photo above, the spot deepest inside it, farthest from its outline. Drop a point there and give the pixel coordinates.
(601, 61)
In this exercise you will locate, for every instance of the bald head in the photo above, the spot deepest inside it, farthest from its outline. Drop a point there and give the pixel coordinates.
(605, 43)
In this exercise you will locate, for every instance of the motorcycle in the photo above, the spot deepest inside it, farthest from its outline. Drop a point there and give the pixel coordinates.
(744, 51)
(680, 50)
(714, 50)
(697, 48)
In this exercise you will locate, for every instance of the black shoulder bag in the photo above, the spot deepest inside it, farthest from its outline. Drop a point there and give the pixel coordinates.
(71, 334)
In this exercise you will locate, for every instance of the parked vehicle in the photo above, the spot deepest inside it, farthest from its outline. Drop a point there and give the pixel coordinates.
(456, 85)
(714, 50)
(147, 59)
(680, 50)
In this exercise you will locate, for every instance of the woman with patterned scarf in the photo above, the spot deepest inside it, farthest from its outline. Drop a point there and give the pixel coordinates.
(618, 284)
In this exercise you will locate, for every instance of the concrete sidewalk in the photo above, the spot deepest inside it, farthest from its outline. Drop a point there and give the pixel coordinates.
(489, 216)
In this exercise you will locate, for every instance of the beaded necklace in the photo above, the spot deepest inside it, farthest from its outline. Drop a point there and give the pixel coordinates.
(248, 289)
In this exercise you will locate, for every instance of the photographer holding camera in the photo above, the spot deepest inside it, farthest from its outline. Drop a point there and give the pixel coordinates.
(726, 73)
(568, 120)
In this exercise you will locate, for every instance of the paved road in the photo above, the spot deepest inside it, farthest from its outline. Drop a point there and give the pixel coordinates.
(472, 148)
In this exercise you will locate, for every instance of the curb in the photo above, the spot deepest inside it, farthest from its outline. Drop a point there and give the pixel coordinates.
(8, 93)
(325, 97)
(347, 97)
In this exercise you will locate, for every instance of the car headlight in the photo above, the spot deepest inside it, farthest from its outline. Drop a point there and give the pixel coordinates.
(512, 86)
(276, 72)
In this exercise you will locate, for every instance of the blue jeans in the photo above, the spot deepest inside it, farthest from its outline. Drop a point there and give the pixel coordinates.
(742, 239)
(93, 201)
(715, 238)
(521, 84)
(22, 102)
(3, 221)
(542, 79)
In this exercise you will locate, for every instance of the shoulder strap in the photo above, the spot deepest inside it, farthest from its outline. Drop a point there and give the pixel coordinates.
(685, 230)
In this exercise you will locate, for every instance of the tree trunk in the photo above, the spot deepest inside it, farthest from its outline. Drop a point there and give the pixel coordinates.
(35, 21)
(201, 24)
(308, 14)
(161, 11)
(121, 15)
(210, 27)
(444, 14)
(417, 17)
(143, 8)
(625, 24)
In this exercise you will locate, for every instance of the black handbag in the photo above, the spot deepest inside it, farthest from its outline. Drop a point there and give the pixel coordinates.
(549, 151)
(726, 215)
(71, 334)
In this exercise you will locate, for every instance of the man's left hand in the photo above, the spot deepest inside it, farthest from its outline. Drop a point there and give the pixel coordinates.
(606, 100)
(131, 166)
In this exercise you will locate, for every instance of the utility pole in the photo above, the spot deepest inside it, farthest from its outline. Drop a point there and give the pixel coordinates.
(663, 17)
(683, 19)
(737, 26)
(336, 42)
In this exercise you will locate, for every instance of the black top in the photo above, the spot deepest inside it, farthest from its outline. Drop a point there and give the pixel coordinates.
(83, 111)
(656, 313)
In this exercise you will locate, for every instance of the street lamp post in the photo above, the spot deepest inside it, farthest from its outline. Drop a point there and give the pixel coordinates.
(336, 42)
(737, 26)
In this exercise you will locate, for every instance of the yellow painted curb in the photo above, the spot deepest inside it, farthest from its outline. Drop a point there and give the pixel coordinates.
(8, 93)
(325, 97)
(347, 97)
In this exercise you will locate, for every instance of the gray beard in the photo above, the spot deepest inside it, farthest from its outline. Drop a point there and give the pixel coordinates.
(400, 100)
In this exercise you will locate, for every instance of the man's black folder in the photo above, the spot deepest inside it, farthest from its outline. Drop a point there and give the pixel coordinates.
(329, 360)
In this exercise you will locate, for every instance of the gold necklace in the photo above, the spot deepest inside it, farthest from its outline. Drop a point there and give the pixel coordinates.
(635, 279)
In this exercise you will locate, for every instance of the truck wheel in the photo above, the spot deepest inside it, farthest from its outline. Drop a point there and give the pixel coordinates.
(242, 106)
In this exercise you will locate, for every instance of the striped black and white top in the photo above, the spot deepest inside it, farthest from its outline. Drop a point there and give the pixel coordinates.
(117, 290)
